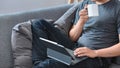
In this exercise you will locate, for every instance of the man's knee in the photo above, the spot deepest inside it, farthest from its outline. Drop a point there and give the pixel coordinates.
(37, 24)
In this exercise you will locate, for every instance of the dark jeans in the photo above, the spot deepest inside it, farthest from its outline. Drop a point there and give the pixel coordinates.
(41, 28)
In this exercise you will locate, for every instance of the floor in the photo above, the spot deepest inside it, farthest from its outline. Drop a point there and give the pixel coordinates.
(11, 6)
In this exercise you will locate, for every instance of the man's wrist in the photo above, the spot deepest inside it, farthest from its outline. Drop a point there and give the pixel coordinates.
(81, 21)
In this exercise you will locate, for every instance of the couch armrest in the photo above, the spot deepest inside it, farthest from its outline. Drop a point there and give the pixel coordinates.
(7, 21)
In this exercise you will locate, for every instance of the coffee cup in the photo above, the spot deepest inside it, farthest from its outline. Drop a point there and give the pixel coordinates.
(93, 10)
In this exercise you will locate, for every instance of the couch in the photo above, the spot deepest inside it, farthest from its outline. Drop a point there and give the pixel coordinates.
(8, 21)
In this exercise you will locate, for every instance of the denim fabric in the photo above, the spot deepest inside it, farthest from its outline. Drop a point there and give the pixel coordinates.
(41, 28)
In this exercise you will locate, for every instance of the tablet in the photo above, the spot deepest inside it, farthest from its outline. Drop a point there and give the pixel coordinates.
(60, 53)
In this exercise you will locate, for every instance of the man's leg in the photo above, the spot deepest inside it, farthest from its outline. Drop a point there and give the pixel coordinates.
(56, 35)
(92, 63)
(43, 29)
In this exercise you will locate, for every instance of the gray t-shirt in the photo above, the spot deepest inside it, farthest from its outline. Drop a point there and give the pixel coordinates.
(101, 31)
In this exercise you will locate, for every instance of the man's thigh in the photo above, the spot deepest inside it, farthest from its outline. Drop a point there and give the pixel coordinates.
(92, 63)
(50, 63)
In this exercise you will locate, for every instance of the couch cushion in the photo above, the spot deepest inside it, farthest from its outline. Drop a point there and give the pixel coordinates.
(65, 21)
(21, 45)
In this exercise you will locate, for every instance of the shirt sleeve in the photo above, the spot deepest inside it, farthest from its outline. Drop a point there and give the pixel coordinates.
(80, 7)
(77, 16)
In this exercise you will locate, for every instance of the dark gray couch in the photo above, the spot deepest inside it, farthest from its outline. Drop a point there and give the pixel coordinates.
(8, 21)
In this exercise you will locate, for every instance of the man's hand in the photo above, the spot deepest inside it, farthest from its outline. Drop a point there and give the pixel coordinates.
(77, 29)
(84, 51)
(84, 14)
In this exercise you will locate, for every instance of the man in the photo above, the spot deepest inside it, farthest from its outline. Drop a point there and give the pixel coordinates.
(97, 37)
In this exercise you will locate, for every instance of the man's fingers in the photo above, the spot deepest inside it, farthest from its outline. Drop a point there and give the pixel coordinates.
(80, 55)
(80, 50)
(85, 7)
(83, 12)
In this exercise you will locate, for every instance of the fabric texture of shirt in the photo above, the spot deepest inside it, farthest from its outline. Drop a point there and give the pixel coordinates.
(101, 31)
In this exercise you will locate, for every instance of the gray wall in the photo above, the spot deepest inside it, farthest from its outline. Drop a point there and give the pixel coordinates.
(11, 6)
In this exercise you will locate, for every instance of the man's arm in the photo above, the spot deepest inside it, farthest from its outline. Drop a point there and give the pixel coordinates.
(105, 52)
(110, 51)
(76, 30)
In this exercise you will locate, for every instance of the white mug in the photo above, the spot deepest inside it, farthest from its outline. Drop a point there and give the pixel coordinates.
(93, 10)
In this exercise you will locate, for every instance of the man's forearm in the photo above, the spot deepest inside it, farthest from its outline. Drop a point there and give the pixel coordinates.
(76, 31)
(109, 52)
